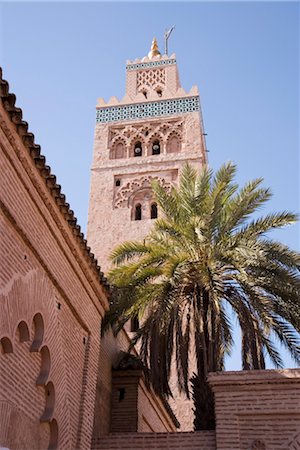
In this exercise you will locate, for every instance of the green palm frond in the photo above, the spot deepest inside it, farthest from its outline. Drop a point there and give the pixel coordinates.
(205, 263)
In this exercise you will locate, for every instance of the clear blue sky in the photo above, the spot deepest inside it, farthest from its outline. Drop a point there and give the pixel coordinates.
(244, 57)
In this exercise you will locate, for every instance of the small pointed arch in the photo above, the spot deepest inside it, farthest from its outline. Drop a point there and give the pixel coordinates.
(138, 212)
(137, 141)
(45, 366)
(53, 444)
(153, 212)
(38, 324)
(173, 143)
(50, 402)
(6, 345)
(118, 149)
(23, 331)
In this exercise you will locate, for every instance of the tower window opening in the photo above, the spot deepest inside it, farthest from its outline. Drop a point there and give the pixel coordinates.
(145, 94)
(118, 182)
(159, 92)
(138, 212)
(138, 149)
(154, 211)
(156, 148)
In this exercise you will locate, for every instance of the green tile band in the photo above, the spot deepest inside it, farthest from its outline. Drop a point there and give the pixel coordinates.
(149, 109)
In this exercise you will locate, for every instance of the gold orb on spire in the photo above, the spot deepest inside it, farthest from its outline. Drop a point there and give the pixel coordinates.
(154, 50)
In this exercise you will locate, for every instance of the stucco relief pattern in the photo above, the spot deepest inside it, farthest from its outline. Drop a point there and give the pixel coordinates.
(125, 193)
(145, 132)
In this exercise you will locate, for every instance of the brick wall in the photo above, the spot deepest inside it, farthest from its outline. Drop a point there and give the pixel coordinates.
(201, 440)
(257, 406)
(48, 284)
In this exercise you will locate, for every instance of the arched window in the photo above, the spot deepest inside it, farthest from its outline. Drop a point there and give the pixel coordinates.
(156, 148)
(138, 212)
(154, 211)
(138, 151)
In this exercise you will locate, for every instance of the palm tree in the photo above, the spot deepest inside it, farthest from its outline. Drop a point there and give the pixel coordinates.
(204, 264)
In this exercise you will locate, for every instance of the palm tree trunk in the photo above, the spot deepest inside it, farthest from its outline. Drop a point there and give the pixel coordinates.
(202, 394)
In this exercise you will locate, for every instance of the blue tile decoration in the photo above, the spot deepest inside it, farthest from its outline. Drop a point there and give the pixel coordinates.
(147, 65)
(135, 111)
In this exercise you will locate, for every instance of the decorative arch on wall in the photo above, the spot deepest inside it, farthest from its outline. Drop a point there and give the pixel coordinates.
(173, 143)
(23, 331)
(45, 366)
(118, 150)
(50, 402)
(53, 444)
(38, 323)
(6, 345)
(128, 193)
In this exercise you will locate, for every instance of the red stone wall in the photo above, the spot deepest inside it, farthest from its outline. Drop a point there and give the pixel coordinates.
(257, 408)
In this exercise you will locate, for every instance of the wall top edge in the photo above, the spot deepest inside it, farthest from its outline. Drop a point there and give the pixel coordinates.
(254, 377)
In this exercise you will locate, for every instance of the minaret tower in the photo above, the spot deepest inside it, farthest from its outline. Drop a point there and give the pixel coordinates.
(147, 135)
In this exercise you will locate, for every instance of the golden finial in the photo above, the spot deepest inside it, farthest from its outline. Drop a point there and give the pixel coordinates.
(154, 50)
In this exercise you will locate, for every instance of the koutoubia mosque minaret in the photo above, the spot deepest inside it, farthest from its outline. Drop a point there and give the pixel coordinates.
(149, 134)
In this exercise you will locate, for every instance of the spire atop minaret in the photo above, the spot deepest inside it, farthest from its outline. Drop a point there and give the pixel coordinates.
(154, 49)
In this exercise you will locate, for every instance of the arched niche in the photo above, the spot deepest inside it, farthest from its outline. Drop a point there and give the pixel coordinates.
(23, 331)
(45, 366)
(6, 345)
(118, 151)
(53, 443)
(38, 324)
(50, 402)
(173, 144)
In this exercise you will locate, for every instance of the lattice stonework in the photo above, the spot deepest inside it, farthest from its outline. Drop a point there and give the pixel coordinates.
(149, 109)
(131, 188)
(151, 78)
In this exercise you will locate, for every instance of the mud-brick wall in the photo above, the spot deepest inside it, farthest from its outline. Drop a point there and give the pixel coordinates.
(257, 409)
